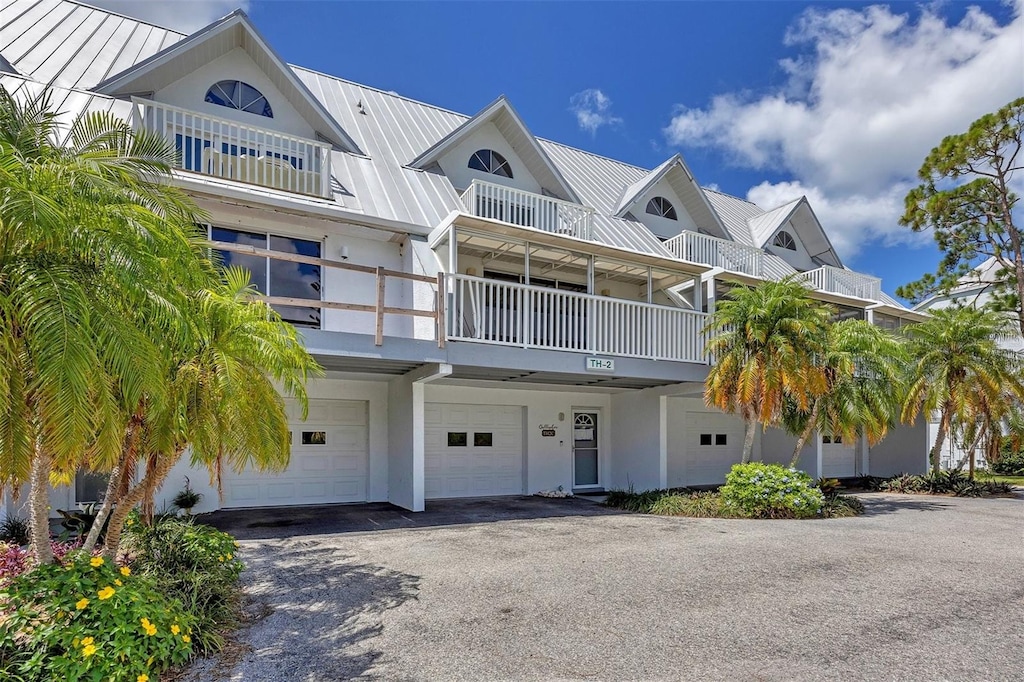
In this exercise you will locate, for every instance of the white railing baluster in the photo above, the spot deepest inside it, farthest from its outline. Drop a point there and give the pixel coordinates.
(234, 151)
(845, 282)
(695, 247)
(527, 209)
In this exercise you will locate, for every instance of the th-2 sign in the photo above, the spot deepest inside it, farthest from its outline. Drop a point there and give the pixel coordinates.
(600, 365)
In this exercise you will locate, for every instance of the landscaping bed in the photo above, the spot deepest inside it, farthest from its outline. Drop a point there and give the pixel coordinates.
(953, 482)
(752, 491)
(171, 595)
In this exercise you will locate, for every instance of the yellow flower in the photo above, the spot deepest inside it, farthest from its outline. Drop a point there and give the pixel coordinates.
(125, 571)
(175, 629)
(81, 603)
(118, 582)
(220, 558)
(186, 639)
(230, 556)
(106, 593)
(128, 522)
(87, 641)
(96, 561)
(88, 651)
(142, 678)
(145, 622)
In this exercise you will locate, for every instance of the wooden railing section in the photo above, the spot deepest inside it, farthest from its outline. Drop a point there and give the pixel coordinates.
(379, 308)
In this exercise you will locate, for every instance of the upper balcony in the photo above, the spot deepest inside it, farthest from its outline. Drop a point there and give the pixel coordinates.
(844, 282)
(719, 253)
(510, 205)
(231, 150)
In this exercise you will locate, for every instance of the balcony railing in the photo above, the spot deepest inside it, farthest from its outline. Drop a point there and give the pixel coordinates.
(497, 202)
(236, 151)
(719, 253)
(845, 282)
(491, 311)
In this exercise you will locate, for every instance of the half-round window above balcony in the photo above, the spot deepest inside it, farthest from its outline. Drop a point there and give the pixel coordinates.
(784, 240)
(241, 96)
(662, 207)
(490, 162)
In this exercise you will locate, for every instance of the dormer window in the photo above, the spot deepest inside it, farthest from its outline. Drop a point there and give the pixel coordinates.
(662, 207)
(784, 240)
(241, 96)
(492, 162)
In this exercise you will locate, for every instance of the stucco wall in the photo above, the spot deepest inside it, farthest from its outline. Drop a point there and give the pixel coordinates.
(904, 450)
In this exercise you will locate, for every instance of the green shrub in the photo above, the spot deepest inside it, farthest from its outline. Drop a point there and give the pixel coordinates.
(840, 506)
(194, 563)
(14, 531)
(642, 502)
(1010, 462)
(88, 620)
(770, 491)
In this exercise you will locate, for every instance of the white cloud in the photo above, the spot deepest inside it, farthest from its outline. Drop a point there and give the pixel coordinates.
(869, 95)
(181, 15)
(593, 110)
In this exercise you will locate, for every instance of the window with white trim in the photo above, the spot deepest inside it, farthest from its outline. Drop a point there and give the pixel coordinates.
(662, 207)
(489, 161)
(784, 240)
(235, 94)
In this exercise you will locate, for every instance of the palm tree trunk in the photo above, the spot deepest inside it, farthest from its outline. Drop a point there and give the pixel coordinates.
(39, 505)
(104, 511)
(940, 439)
(812, 423)
(154, 476)
(748, 440)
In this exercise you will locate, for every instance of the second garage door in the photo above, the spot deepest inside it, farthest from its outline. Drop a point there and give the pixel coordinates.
(473, 450)
(328, 462)
(713, 443)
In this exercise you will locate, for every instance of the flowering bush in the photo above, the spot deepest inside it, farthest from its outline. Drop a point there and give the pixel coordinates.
(772, 491)
(194, 563)
(86, 619)
(14, 560)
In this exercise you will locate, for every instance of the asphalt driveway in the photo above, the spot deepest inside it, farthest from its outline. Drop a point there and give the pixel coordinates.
(920, 588)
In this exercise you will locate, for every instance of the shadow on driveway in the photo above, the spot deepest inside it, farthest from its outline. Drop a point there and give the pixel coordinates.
(285, 522)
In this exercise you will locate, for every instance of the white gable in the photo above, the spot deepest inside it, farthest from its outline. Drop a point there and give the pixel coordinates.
(663, 227)
(455, 161)
(189, 92)
(799, 259)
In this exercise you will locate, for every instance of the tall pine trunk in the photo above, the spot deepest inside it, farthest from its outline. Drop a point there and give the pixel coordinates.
(811, 425)
(39, 505)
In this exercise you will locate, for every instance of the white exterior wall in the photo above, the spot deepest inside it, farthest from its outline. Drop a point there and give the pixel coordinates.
(190, 93)
(904, 451)
(401, 425)
(455, 163)
(639, 441)
(679, 423)
(548, 459)
(777, 448)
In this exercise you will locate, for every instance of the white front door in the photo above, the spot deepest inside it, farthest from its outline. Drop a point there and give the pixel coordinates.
(328, 462)
(585, 455)
(473, 450)
(838, 459)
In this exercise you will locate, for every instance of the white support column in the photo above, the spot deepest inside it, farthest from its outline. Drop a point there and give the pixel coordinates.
(526, 261)
(591, 284)
(453, 251)
(865, 456)
(698, 294)
(711, 295)
(663, 440)
(650, 285)
(817, 454)
(407, 435)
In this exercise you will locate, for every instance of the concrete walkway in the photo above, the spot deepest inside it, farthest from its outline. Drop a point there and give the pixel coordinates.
(921, 588)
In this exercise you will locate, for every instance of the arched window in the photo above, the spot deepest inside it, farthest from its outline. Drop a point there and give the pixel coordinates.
(490, 162)
(239, 95)
(660, 206)
(784, 240)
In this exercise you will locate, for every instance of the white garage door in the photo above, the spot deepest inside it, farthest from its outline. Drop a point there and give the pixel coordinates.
(473, 450)
(838, 460)
(328, 462)
(714, 442)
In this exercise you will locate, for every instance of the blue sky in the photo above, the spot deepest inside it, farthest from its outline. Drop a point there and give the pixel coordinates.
(765, 100)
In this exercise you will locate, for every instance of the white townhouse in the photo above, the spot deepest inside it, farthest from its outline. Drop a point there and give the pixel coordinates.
(974, 290)
(498, 314)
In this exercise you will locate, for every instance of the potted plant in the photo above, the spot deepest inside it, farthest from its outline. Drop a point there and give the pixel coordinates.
(187, 498)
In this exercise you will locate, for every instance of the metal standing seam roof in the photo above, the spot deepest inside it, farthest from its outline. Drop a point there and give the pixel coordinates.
(76, 47)
(762, 227)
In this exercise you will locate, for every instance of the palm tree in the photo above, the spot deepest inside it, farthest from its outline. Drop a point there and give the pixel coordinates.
(765, 341)
(864, 369)
(959, 370)
(87, 233)
(223, 402)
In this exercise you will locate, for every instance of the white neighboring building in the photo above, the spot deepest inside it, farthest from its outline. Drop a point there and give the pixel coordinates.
(975, 290)
(498, 314)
